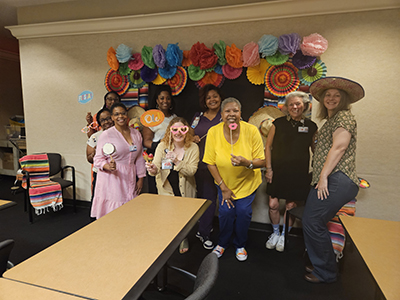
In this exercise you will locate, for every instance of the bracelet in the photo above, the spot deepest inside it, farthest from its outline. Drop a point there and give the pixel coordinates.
(220, 182)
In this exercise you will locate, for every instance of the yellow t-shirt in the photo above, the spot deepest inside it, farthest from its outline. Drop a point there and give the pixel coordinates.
(240, 180)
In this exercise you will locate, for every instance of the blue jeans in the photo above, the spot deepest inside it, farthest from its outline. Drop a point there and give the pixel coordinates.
(241, 213)
(317, 214)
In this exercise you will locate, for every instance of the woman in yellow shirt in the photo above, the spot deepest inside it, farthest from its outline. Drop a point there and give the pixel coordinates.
(234, 153)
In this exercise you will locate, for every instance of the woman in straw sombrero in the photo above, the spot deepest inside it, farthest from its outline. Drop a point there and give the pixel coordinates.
(334, 179)
(287, 155)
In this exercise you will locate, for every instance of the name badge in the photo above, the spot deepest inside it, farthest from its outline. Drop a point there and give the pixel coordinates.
(195, 122)
(132, 148)
(303, 129)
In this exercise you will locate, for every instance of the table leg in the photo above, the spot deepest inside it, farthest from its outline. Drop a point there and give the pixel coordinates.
(161, 279)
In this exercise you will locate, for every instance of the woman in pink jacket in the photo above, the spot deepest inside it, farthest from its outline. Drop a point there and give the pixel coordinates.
(120, 175)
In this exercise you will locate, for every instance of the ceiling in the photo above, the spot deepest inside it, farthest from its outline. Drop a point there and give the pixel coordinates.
(8, 12)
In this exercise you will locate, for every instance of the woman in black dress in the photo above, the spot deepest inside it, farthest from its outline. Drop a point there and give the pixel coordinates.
(287, 154)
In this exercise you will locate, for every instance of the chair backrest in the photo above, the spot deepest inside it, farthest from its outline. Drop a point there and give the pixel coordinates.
(37, 165)
(206, 277)
(55, 163)
(5, 250)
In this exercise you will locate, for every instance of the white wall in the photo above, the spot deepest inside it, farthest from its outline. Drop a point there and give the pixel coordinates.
(361, 47)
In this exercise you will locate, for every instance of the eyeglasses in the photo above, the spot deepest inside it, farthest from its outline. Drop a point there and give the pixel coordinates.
(181, 129)
(105, 119)
(112, 99)
(124, 113)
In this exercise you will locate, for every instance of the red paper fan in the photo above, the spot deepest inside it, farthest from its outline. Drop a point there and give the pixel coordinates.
(116, 82)
(282, 80)
(211, 78)
(178, 81)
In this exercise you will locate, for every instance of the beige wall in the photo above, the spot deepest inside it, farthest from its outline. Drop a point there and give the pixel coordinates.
(361, 47)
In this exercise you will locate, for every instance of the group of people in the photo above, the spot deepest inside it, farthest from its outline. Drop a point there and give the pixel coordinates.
(219, 157)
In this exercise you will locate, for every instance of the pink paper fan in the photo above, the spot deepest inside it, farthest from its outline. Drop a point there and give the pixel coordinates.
(231, 72)
(136, 62)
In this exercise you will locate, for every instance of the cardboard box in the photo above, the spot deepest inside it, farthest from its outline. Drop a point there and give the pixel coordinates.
(8, 161)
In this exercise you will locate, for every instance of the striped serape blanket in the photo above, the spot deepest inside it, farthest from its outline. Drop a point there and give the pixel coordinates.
(336, 229)
(43, 192)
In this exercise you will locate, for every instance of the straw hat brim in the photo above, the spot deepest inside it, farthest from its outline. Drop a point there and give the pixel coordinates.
(352, 88)
(263, 119)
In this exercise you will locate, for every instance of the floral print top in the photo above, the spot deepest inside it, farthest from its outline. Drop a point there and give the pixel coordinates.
(347, 163)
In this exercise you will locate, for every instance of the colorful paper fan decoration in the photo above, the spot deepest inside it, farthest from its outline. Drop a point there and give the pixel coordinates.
(116, 82)
(135, 80)
(315, 72)
(231, 72)
(282, 80)
(159, 80)
(211, 78)
(277, 59)
(178, 81)
(363, 183)
(136, 63)
(256, 75)
(195, 73)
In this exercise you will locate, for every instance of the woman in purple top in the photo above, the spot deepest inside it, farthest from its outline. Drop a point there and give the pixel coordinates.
(210, 98)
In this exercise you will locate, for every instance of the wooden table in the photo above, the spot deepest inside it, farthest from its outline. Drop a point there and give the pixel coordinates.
(6, 204)
(378, 242)
(13, 290)
(118, 255)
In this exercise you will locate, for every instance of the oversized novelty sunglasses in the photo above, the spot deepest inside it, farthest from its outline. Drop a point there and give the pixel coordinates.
(182, 129)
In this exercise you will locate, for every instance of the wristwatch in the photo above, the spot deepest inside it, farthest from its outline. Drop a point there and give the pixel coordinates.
(250, 166)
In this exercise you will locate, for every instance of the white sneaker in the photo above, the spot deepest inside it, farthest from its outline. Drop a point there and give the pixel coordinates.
(218, 250)
(272, 240)
(280, 246)
(241, 254)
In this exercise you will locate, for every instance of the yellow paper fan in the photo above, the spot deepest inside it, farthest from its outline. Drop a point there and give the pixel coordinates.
(159, 80)
(256, 75)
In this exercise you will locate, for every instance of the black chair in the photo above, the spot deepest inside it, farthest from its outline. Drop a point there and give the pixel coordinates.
(203, 281)
(297, 212)
(55, 169)
(5, 250)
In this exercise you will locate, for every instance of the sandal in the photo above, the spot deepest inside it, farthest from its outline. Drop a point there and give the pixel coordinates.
(184, 246)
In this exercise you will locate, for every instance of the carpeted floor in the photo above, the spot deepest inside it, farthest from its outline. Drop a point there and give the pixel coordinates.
(266, 274)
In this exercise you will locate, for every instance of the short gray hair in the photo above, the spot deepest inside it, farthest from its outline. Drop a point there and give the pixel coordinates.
(303, 96)
(230, 100)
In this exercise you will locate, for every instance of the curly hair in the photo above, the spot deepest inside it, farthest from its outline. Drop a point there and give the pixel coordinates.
(167, 139)
(204, 92)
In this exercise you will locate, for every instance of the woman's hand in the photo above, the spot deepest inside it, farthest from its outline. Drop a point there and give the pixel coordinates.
(111, 166)
(139, 185)
(322, 187)
(151, 168)
(196, 139)
(89, 118)
(239, 161)
(227, 196)
(269, 174)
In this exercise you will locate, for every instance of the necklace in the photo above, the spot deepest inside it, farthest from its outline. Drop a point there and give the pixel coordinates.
(295, 123)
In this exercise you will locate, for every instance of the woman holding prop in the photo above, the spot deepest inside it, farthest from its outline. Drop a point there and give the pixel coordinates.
(175, 163)
(210, 98)
(153, 135)
(234, 153)
(118, 168)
